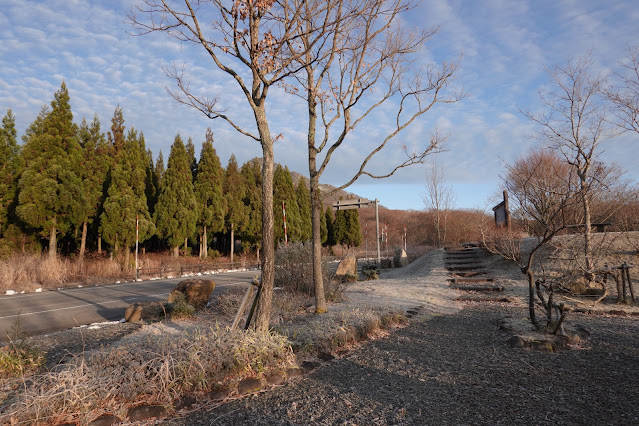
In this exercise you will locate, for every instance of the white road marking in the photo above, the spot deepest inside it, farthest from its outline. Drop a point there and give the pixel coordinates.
(104, 303)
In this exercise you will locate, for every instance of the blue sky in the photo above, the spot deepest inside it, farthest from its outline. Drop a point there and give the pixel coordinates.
(507, 46)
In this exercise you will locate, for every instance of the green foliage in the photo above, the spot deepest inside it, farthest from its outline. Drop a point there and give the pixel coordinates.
(284, 191)
(95, 166)
(252, 173)
(18, 358)
(303, 196)
(330, 228)
(176, 212)
(116, 135)
(323, 229)
(190, 153)
(159, 169)
(9, 167)
(346, 228)
(51, 195)
(208, 188)
(179, 308)
(237, 214)
(126, 197)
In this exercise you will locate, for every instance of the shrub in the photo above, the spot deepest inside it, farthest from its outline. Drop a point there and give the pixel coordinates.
(179, 308)
(294, 268)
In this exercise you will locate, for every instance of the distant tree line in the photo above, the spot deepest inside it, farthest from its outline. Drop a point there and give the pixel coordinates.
(80, 189)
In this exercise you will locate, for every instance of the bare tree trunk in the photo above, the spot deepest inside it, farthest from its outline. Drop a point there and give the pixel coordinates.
(316, 220)
(127, 254)
(83, 241)
(176, 251)
(186, 241)
(232, 243)
(268, 264)
(205, 244)
(53, 243)
(99, 244)
(587, 234)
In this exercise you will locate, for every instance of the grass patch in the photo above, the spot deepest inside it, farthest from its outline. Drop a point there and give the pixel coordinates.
(146, 368)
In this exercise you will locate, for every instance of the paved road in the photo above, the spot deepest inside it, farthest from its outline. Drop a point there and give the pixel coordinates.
(41, 313)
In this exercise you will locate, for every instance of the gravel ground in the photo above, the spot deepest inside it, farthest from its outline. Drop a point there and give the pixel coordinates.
(457, 369)
(452, 365)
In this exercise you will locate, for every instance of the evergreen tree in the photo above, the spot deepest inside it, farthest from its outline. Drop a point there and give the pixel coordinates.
(126, 199)
(208, 192)
(9, 167)
(252, 174)
(303, 196)
(96, 163)
(159, 169)
(116, 135)
(236, 213)
(323, 230)
(347, 229)
(284, 191)
(152, 183)
(190, 152)
(176, 211)
(330, 228)
(51, 197)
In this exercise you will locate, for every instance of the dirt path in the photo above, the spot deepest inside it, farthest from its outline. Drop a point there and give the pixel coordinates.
(452, 365)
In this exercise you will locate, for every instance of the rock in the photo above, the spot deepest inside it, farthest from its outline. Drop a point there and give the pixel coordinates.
(542, 345)
(347, 266)
(293, 372)
(400, 259)
(276, 379)
(196, 292)
(144, 412)
(151, 311)
(249, 385)
(105, 420)
(219, 394)
(386, 264)
(516, 342)
(186, 401)
(308, 366)
(326, 356)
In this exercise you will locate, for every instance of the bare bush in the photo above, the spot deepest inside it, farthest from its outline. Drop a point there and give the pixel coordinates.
(294, 268)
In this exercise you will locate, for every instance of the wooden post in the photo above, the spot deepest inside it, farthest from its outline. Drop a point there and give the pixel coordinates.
(242, 308)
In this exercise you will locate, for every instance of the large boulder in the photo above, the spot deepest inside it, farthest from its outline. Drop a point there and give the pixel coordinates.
(400, 259)
(148, 311)
(347, 266)
(196, 292)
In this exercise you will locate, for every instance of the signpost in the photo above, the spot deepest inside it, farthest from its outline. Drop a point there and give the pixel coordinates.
(358, 204)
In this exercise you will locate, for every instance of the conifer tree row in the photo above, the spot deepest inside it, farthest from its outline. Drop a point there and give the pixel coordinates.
(76, 182)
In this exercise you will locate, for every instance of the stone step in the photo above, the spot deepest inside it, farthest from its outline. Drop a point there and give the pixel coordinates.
(471, 280)
(480, 288)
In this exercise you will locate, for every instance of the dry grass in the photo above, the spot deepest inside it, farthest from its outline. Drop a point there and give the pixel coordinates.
(27, 272)
(153, 366)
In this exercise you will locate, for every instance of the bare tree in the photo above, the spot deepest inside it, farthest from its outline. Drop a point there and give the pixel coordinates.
(625, 96)
(439, 199)
(543, 190)
(363, 64)
(575, 123)
(249, 41)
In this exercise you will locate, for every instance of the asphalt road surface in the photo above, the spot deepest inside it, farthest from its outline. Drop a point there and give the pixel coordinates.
(41, 313)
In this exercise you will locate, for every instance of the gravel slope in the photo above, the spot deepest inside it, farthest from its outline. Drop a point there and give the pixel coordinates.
(457, 368)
